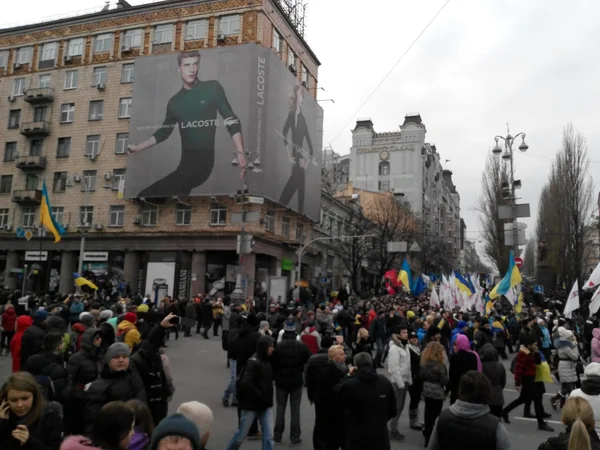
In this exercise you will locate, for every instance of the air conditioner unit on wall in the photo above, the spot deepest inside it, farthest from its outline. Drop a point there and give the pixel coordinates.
(221, 37)
(100, 87)
(98, 226)
(137, 220)
(11, 98)
(16, 66)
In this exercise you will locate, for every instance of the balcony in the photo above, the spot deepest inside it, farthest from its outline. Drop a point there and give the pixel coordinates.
(31, 163)
(27, 197)
(36, 96)
(35, 129)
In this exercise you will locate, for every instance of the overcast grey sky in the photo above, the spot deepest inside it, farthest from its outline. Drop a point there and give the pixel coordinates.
(481, 64)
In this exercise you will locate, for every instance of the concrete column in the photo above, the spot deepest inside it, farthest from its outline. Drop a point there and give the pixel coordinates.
(249, 273)
(67, 267)
(12, 262)
(198, 283)
(275, 269)
(130, 269)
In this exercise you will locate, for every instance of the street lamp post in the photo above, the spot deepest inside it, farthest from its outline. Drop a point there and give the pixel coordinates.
(509, 155)
(83, 226)
(328, 238)
(252, 163)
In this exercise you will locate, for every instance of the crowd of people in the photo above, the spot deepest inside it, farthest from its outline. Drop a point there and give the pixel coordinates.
(93, 373)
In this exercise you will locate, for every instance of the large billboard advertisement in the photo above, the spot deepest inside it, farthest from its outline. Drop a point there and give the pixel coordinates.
(194, 112)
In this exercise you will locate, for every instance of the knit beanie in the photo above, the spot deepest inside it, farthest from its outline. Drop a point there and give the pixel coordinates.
(176, 425)
(40, 314)
(199, 414)
(289, 325)
(263, 324)
(117, 349)
(130, 317)
(86, 319)
(143, 308)
(105, 315)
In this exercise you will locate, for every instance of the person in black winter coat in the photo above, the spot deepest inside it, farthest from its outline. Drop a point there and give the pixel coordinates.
(49, 364)
(367, 398)
(148, 364)
(33, 338)
(207, 317)
(495, 372)
(379, 335)
(460, 362)
(27, 422)
(316, 363)
(255, 394)
(242, 347)
(83, 369)
(117, 382)
(483, 335)
(288, 362)
(330, 426)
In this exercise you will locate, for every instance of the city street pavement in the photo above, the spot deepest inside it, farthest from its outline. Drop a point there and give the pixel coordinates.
(201, 374)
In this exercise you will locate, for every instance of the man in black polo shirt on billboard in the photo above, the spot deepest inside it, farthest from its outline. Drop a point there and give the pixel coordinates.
(194, 111)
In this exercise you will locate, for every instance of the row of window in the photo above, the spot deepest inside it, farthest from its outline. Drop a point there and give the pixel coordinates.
(61, 181)
(63, 148)
(67, 112)
(102, 43)
(71, 79)
(269, 221)
(116, 216)
(292, 59)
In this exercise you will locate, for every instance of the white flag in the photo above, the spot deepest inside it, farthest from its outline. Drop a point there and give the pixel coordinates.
(572, 302)
(434, 300)
(595, 302)
(594, 279)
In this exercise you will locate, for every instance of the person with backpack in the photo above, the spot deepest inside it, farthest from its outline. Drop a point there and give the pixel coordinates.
(48, 368)
(27, 420)
(127, 332)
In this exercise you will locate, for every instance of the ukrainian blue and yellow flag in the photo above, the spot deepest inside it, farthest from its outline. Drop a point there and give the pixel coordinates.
(510, 280)
(462, 284)
(80, 281)
(489, 304)
(405, 275)
(519, 305)
(46, 218)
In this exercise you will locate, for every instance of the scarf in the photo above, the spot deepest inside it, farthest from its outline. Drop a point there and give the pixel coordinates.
(462, 344)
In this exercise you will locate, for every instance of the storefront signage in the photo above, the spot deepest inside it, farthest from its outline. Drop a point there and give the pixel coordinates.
(183, 284)
(36, 256)
(287, 264)
(95, 256)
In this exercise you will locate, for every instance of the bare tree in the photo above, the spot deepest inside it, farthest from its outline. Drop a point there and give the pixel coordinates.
(435, 254)
(495, 173)
(395, 222)
(353, 251)
(565, 206)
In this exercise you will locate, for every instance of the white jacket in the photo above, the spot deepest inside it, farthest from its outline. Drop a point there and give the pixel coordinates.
(593, 400)
(398, 365)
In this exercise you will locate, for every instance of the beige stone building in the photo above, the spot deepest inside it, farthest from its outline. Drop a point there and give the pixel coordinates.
(65, 104)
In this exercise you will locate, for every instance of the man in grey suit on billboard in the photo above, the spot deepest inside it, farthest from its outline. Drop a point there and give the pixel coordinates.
(194, 111)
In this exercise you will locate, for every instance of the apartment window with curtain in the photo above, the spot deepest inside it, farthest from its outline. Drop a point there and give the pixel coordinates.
(27, 216)
(163, 34)
(103, 43)
(195, 30)
(117, 216)
(229, 25)
(59, 183)
(75, 47)
(183, 215)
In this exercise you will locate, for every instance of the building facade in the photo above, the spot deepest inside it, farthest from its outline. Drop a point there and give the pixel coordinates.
(402, 162)
(65, 107)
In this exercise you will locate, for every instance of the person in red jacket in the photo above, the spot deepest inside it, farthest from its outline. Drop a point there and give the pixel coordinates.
(9, 321)
(23, 322)
(527, 358)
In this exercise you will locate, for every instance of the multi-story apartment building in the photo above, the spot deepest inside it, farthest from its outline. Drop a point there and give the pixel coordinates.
(65, 107)
(403, 163)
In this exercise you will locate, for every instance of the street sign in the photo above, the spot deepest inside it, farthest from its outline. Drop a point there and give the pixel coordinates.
(519, 262)
(28, 234)
(505, 212)
(256, 200)
(538, 289)
(414, 247)
(324, 280)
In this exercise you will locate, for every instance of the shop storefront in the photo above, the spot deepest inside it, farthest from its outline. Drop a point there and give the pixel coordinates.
(164, 274)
